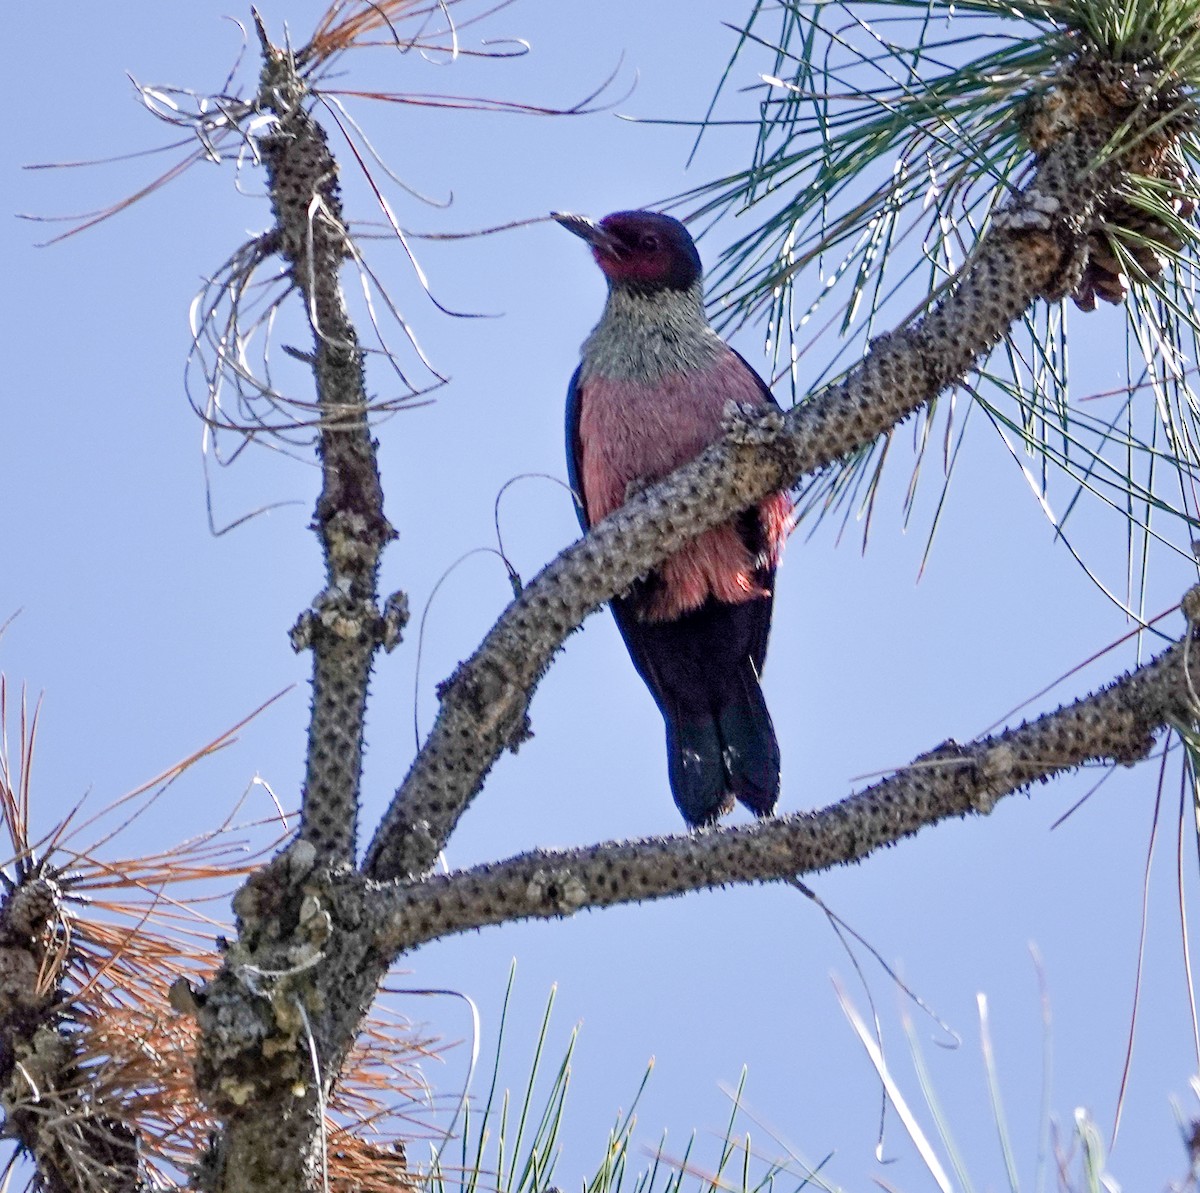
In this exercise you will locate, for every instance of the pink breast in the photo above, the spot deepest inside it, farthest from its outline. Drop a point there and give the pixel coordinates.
(633, 433)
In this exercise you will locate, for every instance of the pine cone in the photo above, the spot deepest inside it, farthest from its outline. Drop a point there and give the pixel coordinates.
(1145, 242)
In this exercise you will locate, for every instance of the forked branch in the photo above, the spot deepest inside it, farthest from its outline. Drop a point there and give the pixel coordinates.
(1032, 250)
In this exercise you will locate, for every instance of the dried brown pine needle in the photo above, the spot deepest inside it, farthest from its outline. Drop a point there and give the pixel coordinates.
(101, 1081)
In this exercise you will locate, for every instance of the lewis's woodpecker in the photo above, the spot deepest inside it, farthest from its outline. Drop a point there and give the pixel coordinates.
(650, 394)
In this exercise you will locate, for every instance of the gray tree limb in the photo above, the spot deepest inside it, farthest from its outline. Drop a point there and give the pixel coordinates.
(314, 935)
(1033, 249)
(344, 628)
(274, 1032)
(1116, 724)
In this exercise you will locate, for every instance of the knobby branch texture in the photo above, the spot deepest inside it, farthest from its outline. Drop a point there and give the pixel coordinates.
(274, 1033)
(344, 628)
(39, 1059)
(314, 935)
(1117, 724)
(1033, 249)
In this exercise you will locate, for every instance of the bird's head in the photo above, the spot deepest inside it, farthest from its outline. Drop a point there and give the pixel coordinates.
(639, 249)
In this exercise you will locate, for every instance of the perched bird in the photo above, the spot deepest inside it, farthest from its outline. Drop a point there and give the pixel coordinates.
(649, 395)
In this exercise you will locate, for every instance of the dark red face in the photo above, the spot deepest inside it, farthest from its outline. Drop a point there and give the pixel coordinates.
(640, 249)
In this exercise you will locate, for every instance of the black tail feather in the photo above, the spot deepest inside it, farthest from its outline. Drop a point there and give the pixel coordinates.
(695, 767)
(729, 752)
(702, 670)
(749, 749)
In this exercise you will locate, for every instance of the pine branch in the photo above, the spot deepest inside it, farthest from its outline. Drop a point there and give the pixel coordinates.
(1032, 250)
(278, 1020)
(273, 1036)
(344, 627)
(1115, 725)
(75, 1148)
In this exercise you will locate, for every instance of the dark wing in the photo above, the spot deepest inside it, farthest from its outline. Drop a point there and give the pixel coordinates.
(702, 671)
(575, 448)
(762, 385)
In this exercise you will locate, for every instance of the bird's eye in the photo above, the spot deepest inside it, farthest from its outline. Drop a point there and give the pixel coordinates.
(650, 243)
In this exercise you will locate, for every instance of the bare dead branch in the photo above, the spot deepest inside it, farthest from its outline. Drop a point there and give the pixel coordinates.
(344, 627)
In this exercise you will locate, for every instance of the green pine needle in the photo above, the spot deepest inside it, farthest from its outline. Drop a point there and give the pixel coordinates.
(886, 135)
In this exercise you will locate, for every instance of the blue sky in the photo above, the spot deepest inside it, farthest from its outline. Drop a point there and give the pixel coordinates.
(149, 635)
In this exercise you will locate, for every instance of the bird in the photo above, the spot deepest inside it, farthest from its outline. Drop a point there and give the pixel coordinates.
(651, 393)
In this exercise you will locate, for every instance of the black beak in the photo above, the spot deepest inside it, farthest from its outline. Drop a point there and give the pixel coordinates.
(587, 229)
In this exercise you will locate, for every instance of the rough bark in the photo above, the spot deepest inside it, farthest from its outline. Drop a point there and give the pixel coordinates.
(1116, 724)
(1031, 250)
(68, 1131)
(314, 935)
(344, 626)
(278, 1019)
